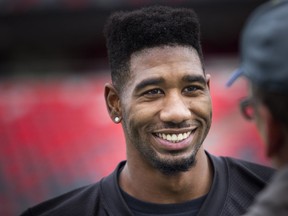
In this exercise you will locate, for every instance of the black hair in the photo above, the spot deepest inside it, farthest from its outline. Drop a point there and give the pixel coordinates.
(155, 26)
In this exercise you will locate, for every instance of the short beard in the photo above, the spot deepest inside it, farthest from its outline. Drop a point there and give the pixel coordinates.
(171, 168)
(166, 167)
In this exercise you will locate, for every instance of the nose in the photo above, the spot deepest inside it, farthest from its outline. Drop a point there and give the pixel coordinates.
(175, 109)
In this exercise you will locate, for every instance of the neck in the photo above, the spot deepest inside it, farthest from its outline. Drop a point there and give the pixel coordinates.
(150, 185)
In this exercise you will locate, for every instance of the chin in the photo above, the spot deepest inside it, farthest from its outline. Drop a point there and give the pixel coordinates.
(174, 166)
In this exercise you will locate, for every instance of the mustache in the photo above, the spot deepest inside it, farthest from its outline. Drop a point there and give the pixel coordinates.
(172, 125)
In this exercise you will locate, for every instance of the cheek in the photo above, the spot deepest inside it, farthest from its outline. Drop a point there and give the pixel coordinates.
(143, 113)
(136, 115)
(202, 107)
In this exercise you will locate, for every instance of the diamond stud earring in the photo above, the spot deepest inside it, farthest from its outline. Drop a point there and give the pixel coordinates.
(117, 119)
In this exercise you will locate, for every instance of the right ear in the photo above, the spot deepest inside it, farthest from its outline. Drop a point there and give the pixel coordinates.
(113, 104)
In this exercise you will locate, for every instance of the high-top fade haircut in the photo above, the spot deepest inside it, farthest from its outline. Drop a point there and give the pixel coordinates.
(155, 26)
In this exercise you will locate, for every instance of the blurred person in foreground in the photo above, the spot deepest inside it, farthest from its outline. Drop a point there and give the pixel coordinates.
(264, 62)
(160, 94)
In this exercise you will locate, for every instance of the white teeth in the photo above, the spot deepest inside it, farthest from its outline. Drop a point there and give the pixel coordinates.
(174, 137)
(169, 137)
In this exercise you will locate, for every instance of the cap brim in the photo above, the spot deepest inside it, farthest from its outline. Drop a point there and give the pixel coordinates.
(235, 75)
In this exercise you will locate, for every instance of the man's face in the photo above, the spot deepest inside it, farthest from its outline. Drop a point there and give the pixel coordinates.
(166, 108)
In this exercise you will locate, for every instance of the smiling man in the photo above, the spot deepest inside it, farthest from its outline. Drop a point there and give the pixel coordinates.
(160, 94)
(166, 109)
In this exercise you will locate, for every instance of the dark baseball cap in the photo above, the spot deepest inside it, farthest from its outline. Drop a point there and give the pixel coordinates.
(264, 47)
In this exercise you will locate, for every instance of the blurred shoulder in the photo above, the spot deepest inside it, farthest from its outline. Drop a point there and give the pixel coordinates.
(75, 202)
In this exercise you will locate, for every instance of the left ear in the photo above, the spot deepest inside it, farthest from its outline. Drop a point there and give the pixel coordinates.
(272, 132)
(112, 100)
(208, 76)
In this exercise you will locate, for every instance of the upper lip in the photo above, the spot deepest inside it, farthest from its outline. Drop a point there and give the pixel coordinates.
(175, 131)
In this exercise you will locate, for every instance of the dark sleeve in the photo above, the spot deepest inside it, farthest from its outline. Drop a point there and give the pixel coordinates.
(81, 201)
(26, 213)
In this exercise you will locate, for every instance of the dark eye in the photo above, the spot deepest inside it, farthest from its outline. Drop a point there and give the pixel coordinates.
(191, 89)
(154, 92)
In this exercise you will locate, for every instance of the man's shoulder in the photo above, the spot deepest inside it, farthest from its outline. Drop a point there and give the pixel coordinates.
(248, 169)
(251, 169)
(69, 202)
(245, 178)
(237, 182)
(87, 200)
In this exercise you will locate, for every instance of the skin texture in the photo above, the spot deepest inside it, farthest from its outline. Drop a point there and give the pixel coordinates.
(167, 93)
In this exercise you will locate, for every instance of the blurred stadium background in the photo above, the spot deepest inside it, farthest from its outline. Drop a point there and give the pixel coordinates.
(55, 133)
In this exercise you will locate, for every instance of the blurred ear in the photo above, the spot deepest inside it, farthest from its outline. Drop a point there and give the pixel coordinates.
(112, 101)
(274, 133)
(208, 77)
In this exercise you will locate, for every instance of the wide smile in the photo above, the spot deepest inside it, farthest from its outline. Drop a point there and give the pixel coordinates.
(174, 140)
(174, 137)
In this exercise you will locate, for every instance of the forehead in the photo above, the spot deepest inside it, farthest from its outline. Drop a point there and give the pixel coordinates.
(165, 62)
(166, 55)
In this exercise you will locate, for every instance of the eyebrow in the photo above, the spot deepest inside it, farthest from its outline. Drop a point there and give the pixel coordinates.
(194, 78)
(148, 82)
(158, 81)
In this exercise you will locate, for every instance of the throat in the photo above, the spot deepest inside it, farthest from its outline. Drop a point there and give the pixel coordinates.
(150, 185)
(139, 207)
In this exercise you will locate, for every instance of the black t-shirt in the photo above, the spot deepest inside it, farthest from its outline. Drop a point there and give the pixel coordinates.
(234, 187)
(140, 208)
